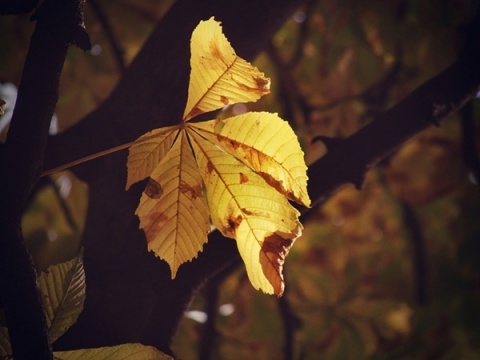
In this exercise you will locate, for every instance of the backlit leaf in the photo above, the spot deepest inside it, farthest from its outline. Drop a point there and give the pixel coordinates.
(218, 76)
(268, 145)
(172, 209)
(249, 166)
(147, 151)
(249, 210)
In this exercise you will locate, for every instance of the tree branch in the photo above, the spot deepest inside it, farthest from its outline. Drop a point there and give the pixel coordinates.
(116, 49)
(59, 23)
(348, 160)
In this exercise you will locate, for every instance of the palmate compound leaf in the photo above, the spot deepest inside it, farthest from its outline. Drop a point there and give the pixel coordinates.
(247, 167)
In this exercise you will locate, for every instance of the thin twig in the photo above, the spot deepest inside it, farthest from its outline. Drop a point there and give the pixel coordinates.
(87, 158)
(116, 49)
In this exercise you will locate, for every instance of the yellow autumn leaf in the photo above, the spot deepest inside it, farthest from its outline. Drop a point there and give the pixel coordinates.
(249, 210)
(147, 151)
(172, 209)
(248, 166)
(267, 144)
(218, 76)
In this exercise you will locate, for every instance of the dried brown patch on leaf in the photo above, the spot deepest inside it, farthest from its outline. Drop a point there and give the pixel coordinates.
(153, 189)
(224, 99)
(216, 53)
(192, 192)
(210, 167)
(274, 250)
(231, 223)
(251, 89)
(243, 178)
(262, 83)
(195, 112)
(153, 224)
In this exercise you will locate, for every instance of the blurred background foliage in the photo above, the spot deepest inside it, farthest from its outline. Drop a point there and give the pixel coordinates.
(387, 272)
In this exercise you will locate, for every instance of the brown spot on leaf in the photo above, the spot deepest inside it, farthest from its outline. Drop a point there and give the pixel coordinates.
(262, 86)
(278, 185)
(262, 83)
(224, 99)
(255, 212)
(153, 224)
(186, 189)
(209, 167)
(247, 212)
(277, 246)
(233, 223)
(243, 178)
(214, 50)
(195, 112)
(272, 181)
(153, 189)
(216, 53)
(274, 250)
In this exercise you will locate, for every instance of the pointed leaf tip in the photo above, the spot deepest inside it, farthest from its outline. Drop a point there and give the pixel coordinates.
(246, 208)
(172, 210)
(218, 76)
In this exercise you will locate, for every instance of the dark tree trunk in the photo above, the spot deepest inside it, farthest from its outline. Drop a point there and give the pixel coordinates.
(59, 23)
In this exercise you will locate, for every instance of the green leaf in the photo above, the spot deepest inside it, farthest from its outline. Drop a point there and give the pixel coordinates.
(125, 351)
(63, 293)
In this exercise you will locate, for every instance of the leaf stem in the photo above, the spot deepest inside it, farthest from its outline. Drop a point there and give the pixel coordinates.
(87, 158)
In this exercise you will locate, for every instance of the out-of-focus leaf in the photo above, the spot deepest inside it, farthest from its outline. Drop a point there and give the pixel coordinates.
(63, 294)
(5, 347)
(120, 352)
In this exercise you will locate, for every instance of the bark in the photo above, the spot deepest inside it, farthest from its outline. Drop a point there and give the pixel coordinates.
(130, 296)
(21, 162)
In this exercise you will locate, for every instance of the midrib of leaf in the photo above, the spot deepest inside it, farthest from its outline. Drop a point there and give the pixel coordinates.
(188, 117)
(253, 150)
(177, 220)
(244, 216)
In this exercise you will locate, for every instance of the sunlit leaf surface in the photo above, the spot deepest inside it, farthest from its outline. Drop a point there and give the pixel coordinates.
(248, 166)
